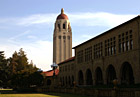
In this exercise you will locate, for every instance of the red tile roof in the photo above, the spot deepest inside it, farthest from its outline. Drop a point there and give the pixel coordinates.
(62, 16)
(50, 72)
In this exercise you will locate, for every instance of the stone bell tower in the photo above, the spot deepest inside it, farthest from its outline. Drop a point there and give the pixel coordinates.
(62, 38)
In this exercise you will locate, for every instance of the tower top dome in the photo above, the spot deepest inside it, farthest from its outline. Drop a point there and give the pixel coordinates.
(62, 15)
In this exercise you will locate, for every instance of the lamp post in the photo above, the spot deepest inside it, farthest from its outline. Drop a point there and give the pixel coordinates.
(54, 66)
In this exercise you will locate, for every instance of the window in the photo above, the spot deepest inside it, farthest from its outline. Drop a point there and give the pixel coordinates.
(98, 50)
(80, 56)
(64, 26)
(58, 26)
(64, 37)
(110, 46)
(114, 49)
(59, 37)
(120, 47)
(69, 37)
(131, 44)
(127, 45)
(125, 41)
(123, 46)
(88, 54)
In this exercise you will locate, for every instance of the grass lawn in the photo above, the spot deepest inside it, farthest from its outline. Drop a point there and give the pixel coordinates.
(10, 93)
(41, 95)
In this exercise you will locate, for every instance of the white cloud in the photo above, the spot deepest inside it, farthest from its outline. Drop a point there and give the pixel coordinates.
(98, 19)
(21, 34)
(76, 19)
(37, 19)
(31, 37)
(40, 52)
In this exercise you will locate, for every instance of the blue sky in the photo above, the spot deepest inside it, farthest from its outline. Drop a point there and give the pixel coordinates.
(29, 24)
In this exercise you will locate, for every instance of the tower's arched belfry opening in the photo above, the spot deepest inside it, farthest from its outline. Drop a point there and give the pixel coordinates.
(62, 38)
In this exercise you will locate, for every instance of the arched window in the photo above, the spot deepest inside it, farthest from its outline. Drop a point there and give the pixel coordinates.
(80, 78)
(64, 26)
(98, 76)
(111, 74)
(127, 74)
(59, 26)
(88, 77)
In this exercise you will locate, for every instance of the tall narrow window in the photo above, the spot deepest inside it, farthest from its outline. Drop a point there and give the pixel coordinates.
(127, 45)
(59, 26)
(60, 48)
(64, 26)
(120, 47)
(114, 49)
(64, 37)
(131, 44)
(123, 47)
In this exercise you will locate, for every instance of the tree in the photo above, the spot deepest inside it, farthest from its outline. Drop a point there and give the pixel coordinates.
(13, 63)
(22, 60)
(24, 74)
(36, 79)
(17, 72)
(4, 72)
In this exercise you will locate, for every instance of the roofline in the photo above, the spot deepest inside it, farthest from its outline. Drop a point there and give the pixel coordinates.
(107, 31)
(68, 60)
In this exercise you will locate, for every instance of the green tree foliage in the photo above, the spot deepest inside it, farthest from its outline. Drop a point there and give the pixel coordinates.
(17, 72)
(4, 73)
(24, 74)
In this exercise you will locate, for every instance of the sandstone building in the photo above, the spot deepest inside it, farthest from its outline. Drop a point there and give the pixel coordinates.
(114, 54)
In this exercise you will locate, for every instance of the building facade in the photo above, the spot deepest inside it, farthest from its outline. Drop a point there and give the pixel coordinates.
(114, 54)
(62, 39)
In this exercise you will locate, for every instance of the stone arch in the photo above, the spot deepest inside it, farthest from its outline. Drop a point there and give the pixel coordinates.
(111, 74)
(80, 78)
(127, 76)
(89, 80)
(49, 82)
(98, 76)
